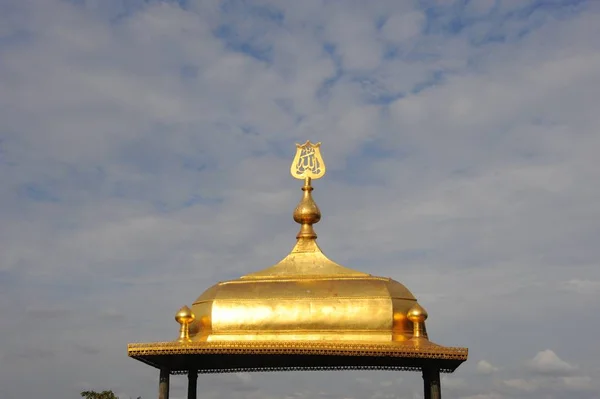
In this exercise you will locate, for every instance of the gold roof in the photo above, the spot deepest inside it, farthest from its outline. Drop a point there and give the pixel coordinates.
(305, 303)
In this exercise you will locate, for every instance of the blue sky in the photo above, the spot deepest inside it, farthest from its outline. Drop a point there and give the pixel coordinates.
(145, 150)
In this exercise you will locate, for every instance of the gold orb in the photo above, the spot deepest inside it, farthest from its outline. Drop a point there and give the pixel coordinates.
(184, 315)
(417, 314)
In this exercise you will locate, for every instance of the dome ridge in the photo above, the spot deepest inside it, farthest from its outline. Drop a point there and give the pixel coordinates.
(306, 260)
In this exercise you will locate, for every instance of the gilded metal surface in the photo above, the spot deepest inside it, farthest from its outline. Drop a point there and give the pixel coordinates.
(305, 305)
(417, 315)
(306, 296)
(184, 317)
(414, 348)
(306, 261)
(308, 162)
(414, 354)
(280, 308)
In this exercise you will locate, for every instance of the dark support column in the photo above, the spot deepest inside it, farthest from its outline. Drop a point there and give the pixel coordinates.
(163, 384)
(431, 383)
(192, 383)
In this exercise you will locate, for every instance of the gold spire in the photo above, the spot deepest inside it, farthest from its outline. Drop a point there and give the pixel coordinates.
(307, 213)
(308, 164)
(306, 258)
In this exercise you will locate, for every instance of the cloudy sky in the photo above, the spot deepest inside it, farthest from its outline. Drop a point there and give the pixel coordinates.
(144, 155)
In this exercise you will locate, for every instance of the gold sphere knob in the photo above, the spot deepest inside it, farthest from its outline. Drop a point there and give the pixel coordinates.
(417, 314)
(307, 211)
(184, 316)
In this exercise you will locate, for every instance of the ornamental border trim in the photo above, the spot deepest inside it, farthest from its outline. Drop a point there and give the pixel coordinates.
(426, 351)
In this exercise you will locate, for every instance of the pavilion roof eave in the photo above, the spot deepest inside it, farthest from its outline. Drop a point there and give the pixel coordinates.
(211, 357)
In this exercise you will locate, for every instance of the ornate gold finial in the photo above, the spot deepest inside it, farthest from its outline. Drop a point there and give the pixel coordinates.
(308, 164)
(418, 315)
(308, 161)
(184, 317)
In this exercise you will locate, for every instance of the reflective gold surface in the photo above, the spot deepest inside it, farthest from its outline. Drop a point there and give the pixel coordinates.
(308, 162)
(318, 308)
(184, 317)
(305, 302)
(417, 315)
(413, 348)
(306, 296)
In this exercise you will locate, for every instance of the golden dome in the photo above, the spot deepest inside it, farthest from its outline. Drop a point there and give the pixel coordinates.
(306, 296)
(315, 312)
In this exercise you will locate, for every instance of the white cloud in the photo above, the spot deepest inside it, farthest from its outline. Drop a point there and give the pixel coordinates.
(453, 383)
(400, 27)
(480, 7)
(579, 383)
(547, 362)
(485, 367)
(522, 384)
(355, 35)
(582, 287)
(244, 377)
(144, 150)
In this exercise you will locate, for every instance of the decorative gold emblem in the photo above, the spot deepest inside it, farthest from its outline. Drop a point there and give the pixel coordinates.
(308, 161)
